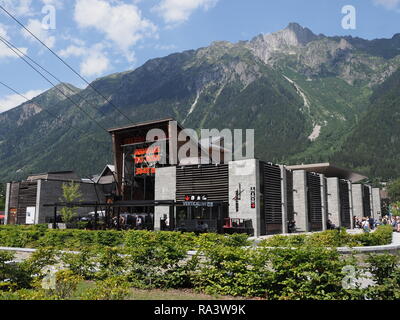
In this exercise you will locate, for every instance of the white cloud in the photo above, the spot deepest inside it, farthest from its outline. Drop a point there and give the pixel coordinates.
(95, 64)
(18, 7)
(6, 52)
(13, 100)
(56, 3)
(165, 47)
(3, 31)
(388, 4)
(94, 59)
(178, 11)
(72, 51)
(121, 23)
(35, 26)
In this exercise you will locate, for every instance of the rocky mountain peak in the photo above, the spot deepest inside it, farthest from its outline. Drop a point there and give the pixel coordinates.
(285, 41)
(303, 35)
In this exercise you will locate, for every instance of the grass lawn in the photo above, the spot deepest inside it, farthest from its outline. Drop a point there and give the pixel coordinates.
(157, 294)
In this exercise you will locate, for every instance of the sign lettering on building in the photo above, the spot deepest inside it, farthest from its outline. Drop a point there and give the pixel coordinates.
(196, 197)
(253, 197)
(238, 197)
(146, 159)
(198, 204)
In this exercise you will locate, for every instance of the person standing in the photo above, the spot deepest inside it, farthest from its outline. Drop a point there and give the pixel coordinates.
(394, 223)
(365, 225)
(371, 221)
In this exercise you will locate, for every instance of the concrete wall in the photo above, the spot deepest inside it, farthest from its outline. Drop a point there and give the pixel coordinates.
(324, 201)
(284, 200)
(300, 201)
(334, 201)
(7, 204)
(165, 189)
(246, 174)
(352, 226)
(358, 206)
(377, 204)
(38, 194)
(371, 199)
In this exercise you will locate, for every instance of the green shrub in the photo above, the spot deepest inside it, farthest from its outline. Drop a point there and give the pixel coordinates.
(158, 264)
(33, 270)
(14, 238)
(385, 272)
(307, 273)
(59, 239)
(208, 240)
(332, 238)
(284, 241)
(24, 274)
(109, 238)
(113, 288)
(304, 273)
(233, 271)
(109, 262)
(382, 236)
(82, 264)
(139, 238)
(382, 266)
(27, 294)
(66, 284)
(7, 271)
(389, 289)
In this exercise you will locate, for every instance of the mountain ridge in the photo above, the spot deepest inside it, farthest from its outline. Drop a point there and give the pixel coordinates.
(303, 93)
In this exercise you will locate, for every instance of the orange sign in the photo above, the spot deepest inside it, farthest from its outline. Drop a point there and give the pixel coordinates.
(150, 155)
(146, 156)
(142, 171)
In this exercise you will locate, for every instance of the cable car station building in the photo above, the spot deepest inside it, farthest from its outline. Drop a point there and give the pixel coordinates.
(246, 194)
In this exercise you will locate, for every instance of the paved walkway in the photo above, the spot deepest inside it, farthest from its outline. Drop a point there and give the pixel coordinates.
(396, 238)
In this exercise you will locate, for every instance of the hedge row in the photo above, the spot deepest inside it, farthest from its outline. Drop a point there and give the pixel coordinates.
(333, 238)
(38, 237)
(276, 274)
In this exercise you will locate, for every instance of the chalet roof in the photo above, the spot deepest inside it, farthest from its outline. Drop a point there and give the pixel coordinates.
(107, 176)
(142, 124)
(58, 175)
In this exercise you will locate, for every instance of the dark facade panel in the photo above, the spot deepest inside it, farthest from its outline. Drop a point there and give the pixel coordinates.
(344, 203)
(314, 201)
(52, 192)
(14, 192)
(366, 200)
(272, 189)
(210, 180)
(27, 198)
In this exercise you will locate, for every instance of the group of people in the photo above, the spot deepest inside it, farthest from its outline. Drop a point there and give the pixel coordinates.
(368, 223)
(130, 221)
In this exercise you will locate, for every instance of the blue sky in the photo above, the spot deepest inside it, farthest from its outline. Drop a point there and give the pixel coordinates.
(100, 37)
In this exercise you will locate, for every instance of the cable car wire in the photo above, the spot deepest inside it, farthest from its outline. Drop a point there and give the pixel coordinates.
(6, 42)
(58, 89)
(65, 63)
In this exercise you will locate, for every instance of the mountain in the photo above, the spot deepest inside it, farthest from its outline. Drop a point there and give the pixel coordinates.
(309, 97)
(374, 143)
